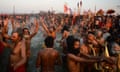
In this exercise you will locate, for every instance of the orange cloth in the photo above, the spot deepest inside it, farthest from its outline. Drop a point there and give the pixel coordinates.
(108, 25)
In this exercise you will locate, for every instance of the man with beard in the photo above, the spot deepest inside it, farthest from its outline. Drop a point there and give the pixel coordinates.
(18, 52)
(74, 58)
(27, 36)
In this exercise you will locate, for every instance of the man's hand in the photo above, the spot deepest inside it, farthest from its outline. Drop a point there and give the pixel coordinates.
(15, 67)
(108, 60)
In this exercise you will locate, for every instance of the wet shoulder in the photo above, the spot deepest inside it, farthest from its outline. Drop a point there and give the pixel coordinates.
(49, 52)
(55, 52)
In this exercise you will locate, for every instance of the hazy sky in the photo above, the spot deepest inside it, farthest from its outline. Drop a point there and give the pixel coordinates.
(29, 6)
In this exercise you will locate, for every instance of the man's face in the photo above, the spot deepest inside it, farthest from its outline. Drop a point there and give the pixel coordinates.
(76, 45)
(26, 32)
(99, 34)
(15, 37)
(51, 29)
(91, 36)
(97, 22)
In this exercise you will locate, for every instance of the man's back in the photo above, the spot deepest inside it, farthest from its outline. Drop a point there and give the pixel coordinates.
(47, 59)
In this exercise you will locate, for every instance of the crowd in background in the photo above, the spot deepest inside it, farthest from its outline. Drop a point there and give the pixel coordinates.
(89, 43)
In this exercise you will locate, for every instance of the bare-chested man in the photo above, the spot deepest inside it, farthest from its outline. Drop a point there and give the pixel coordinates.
(51, 30)
(74, 59)
(27, 36)
(18, 55)
(48, 57)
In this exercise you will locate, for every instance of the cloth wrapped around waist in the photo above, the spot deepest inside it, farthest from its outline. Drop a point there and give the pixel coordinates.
(21, 68)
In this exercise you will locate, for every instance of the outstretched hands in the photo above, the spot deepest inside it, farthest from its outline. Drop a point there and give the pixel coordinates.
(36, 23)
(107, 59)
(6, 22)
(42, 20)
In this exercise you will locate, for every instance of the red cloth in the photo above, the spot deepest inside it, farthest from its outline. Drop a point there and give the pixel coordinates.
(1, 48)
(19, 69)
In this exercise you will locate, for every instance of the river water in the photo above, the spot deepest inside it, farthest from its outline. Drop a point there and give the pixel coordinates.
(36, 46)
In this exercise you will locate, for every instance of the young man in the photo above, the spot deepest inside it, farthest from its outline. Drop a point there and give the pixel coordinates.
(50, 30)
(48, 57)
(27, 36)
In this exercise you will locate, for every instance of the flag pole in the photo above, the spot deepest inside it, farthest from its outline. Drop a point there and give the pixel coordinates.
(80, 6)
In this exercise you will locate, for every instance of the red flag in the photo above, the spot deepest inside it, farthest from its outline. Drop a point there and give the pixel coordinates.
(65, 8)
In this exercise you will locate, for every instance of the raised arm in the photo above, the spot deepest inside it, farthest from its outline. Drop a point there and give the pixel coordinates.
(36, 28)
(89, 56)
(5, 30)
(13, 22)
(44, 25)
(58, 28)
(1, 41)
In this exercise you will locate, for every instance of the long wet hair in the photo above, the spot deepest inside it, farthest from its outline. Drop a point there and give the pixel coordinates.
(69, 42)
(70, 45)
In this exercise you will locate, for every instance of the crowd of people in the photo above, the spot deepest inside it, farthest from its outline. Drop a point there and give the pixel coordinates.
(89, 43)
